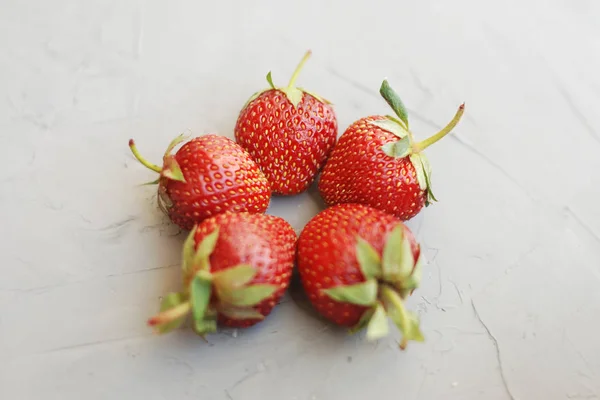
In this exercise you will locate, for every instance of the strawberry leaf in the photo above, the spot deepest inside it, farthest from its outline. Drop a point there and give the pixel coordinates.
(240, 313)
(205, 249)
(407, 322)
(392, 126)
(293, 94)
(378, 325)
(316, 96)
(427, 172)
(200, 291)
(398, 149)
(188, 251)
(154, 182)
(172, 170)
(270, 80)
(392, 98)
(362, 294)
(204, 326)
(252, 98)
(415, 159)
(407, 261)
(396, 120)
(414, 279)
(398, 261)
(364, 320)
(368, 259)
(174, 143)
(234, 277)
(392, 254)
(175, 313)
(248, 296)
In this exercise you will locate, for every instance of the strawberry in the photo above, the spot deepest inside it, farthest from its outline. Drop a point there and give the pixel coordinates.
(236, 267)
(378, 163)
(208, 175)
(357, 264)
(289, 132)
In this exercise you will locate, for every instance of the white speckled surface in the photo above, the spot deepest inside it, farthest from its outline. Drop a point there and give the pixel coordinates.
(510, 304)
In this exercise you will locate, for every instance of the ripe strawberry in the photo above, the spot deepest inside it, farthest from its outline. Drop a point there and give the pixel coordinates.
(378, 163)
(236, 267)
(289, 132)
(357, 265)
(208, 175)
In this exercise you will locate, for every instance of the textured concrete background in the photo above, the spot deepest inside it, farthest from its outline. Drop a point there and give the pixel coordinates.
(510, 303)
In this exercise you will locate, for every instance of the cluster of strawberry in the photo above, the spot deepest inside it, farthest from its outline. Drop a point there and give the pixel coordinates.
(357, 260)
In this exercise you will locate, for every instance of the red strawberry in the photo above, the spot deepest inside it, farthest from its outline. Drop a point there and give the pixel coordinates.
(289, 132)
(357, 265)
(236, 267)
(208, 175)
(378, 163)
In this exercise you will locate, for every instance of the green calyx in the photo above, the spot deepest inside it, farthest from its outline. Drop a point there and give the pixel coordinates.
(389, 279)
(170, 169)
(291, 91)
(406, 146)
(207, 294)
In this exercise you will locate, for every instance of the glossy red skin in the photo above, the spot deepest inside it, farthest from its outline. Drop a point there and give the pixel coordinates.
(358, 171)
(326, 254)
(220, 176)
(266, 242)
(289, 144)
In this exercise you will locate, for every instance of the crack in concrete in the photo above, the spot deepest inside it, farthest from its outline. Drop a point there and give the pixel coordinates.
(95, 343)
(575, 111)
(493, 164)
(457, 291)
(585, 226)
(352, 82)
(498, 356)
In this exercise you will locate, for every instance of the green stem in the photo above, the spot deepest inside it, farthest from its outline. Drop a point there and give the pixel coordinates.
(298, 69)
(390, 295)
(141, 159)
(397, 312)
(431, 140)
